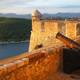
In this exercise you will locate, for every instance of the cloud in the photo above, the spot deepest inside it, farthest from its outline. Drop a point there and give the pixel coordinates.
(26, 6)
(38, 3)
(53, 3)
(6, 3)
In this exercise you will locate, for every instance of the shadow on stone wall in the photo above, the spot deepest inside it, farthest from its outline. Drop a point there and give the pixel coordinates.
(71, 60)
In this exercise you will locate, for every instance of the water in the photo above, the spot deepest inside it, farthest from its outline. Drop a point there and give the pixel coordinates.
(12, 49)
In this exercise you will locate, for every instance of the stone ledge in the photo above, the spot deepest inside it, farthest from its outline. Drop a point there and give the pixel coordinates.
(43, 59)
(7, 68)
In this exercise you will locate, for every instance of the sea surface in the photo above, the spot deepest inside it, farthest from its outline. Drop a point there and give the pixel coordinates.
(13, 49)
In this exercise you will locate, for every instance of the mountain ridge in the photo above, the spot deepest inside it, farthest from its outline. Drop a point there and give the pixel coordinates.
(28, 16)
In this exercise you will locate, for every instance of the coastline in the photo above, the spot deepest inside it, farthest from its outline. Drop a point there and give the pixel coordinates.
(13, 42)
(13, 58)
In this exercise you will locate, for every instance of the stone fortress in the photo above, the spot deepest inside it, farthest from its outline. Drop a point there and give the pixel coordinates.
(44, 30)
(45, 63)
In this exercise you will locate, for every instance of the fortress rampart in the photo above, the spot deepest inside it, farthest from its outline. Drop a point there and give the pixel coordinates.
(44, 63)
(44, 30)
(38, 65)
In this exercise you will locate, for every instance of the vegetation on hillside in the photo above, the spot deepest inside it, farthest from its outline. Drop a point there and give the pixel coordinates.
(14, 29)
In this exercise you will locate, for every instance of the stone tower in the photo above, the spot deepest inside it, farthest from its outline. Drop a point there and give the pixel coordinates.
(43, 31)
(36, 16)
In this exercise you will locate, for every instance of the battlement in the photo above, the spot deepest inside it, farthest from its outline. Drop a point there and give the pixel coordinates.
(44, 30)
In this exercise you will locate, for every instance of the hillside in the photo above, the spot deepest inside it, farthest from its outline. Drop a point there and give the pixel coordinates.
(14, 29)
(14, 15)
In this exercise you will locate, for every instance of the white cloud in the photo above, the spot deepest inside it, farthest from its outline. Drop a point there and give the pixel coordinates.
(53, 3)
(39, 3)
(42, 10)
(26, 6)
(6, 3)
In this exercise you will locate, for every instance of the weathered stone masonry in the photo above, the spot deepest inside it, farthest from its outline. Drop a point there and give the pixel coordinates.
(44, 63)
(44, 30)
(38, 65)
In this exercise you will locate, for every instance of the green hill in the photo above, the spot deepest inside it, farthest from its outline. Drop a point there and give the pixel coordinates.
(14, 29)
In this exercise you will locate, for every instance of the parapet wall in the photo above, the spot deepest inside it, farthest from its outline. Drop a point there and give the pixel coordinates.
(44, 30)
(38, 65)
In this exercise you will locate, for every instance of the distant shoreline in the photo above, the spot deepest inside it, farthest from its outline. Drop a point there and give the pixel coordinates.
(13, 42)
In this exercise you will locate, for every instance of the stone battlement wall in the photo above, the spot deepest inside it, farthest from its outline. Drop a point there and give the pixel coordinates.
(38, 65)
(44, 30)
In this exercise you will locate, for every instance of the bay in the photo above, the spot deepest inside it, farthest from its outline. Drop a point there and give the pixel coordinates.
(13, 49)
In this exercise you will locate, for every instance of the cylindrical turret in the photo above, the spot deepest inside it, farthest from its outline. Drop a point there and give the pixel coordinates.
(36, 15)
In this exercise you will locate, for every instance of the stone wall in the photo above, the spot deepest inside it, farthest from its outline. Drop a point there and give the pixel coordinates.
(43, 34)
(71, 29)
(38, 65)
(44, 31)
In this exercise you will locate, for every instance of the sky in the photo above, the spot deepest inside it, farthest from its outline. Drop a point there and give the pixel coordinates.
(45, 6)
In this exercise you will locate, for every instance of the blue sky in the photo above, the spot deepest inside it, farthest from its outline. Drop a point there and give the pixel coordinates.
(27, 6)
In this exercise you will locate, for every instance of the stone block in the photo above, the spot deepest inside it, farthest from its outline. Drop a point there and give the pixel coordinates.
(19, 63)
(3, 70)
(25, 60)
(10, 67)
